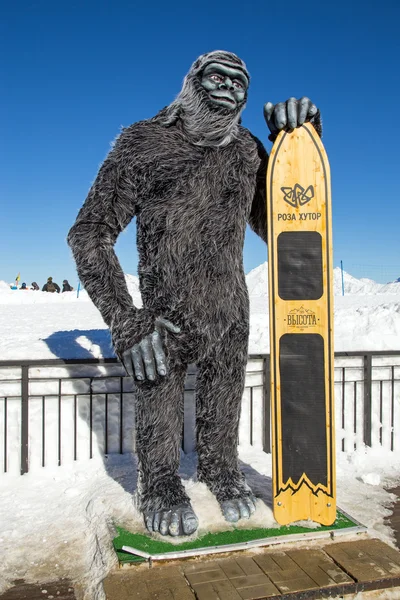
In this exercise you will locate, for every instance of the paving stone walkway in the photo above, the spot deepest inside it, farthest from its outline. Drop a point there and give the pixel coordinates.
(333, 570)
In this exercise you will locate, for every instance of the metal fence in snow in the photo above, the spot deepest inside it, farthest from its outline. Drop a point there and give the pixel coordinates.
(54, 412)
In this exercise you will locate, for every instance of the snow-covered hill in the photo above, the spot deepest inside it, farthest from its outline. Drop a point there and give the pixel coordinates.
(257, 283)
(37, 325)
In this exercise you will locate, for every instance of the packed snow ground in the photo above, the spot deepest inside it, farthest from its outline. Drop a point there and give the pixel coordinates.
(58, 521)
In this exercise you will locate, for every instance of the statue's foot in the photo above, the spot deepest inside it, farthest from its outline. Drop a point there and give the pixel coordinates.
(177, 520)
(235, 497)
(238, 508)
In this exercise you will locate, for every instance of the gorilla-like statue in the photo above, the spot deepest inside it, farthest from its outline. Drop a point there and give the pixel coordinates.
(193, 177)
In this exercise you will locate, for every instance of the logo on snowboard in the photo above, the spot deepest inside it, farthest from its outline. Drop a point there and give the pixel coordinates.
(297, 196)
(301, 318)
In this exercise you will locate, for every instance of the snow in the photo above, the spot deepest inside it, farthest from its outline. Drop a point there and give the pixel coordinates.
(58, 521)
(367, 317)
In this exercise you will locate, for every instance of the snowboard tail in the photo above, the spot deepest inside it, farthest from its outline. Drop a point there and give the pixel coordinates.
(301, 322)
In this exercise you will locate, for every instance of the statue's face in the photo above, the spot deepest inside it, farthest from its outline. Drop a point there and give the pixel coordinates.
(226, 86)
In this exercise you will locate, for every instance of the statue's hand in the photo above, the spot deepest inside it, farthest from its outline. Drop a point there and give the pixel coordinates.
(290, 114)
(147, 358)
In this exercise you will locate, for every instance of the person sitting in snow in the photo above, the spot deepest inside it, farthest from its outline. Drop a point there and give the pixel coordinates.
(66, 286)
(23, 286)
(51, 286)
(34, 286)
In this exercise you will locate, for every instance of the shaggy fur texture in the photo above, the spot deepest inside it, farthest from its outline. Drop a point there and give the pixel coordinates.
(193, 177)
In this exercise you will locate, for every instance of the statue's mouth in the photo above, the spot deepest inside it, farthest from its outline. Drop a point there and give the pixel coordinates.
(223, 99)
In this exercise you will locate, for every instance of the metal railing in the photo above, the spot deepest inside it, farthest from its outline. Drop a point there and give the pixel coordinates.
(367, 398)
(57, 411)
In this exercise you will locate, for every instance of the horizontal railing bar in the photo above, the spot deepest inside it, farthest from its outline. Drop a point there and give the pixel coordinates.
(66, 378)
(101, 361)
(362, 380)
(190, 388)
(369, 353)
(57, 361)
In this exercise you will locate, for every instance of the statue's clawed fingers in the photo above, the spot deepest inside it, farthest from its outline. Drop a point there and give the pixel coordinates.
(146, 350)
(290, 114)
(133, 363)
(165, 324)
(126, 360)
(280, 115)
(291, 108)
(159, 354)
(147, 359)
(268, 115)
(137, 361)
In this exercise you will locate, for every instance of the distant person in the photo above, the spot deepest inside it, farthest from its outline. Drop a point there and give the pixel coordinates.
(23, 286)
(51, 286)
(35, 286)
(66, 286)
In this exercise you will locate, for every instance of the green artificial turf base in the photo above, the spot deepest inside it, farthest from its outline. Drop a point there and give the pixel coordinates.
(236, 536)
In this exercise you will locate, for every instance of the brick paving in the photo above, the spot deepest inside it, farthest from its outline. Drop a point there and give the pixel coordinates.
(142, 583)
(292, 574)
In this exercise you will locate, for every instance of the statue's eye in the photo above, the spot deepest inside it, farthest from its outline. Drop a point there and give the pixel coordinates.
(216, 77)
(238, 84)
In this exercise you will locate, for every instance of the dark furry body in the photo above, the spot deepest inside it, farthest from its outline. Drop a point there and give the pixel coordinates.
(192, 204)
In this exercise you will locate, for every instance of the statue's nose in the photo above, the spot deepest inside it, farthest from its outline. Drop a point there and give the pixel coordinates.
(227, 84)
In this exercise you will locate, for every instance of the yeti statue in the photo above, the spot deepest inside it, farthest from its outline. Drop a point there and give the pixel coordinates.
(193, 177)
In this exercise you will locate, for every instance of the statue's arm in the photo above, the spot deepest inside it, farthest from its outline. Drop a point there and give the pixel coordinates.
(105, 213)
(258, 213)
(109, 207)
(137, 334)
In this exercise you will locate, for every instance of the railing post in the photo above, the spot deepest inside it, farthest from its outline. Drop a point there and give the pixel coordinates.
(367, 399)
(24, 418)
(266, 405)
(189, 414)
(121, 415)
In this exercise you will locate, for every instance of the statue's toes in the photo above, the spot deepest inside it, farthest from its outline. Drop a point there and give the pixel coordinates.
(189, 521)
(251, 503)
(243, 509)
(238, 508)
(174, 523)
(180, 520)
(149, 520)
(165, 522)
(230, 510)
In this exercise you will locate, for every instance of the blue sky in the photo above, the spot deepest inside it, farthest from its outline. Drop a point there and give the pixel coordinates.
(75, 72)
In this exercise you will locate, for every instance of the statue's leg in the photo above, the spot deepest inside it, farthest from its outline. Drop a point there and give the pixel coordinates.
(159, 415)
(220, 385)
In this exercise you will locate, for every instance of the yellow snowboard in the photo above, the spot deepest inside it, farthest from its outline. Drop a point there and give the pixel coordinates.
(301, 322)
